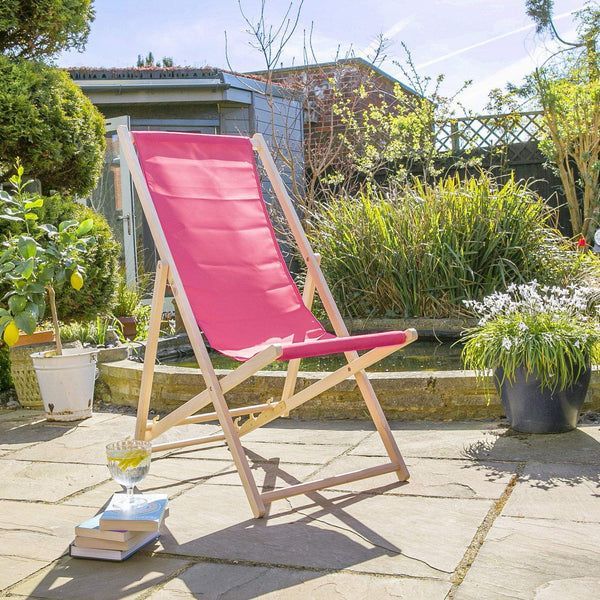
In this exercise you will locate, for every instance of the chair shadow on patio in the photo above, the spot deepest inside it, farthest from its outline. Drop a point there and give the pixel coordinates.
(228, 561)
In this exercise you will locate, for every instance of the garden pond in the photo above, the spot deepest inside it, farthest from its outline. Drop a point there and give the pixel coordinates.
(419, 356)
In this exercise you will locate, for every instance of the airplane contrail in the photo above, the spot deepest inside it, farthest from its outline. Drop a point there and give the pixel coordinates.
(484, 42)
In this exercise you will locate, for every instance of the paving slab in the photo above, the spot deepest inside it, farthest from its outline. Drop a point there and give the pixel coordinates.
(262, 452)
(87, 445)
(580, 446)
(241, 582)
(434, 440)
(268, 475)
(32, 535)
(46, 482)
(428, 477)
(376, 534)
(291, 431)
(535, 558)
(23, 433)
(565, 492)
(73, 579)
(167, 476)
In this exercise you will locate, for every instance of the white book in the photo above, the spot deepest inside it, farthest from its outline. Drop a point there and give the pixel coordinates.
(91, 529)
(146, 517)
(114, 555)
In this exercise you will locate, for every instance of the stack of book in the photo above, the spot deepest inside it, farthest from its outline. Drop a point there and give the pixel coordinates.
(117, 533)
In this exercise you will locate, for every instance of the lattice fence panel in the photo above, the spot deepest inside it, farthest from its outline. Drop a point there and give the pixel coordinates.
(487, 131)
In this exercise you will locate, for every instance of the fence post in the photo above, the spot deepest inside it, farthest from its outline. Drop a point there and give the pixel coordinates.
(454, 137)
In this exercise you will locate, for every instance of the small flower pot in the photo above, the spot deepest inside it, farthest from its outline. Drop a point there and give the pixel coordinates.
(66, 383)
(531, 409)
(129, 325)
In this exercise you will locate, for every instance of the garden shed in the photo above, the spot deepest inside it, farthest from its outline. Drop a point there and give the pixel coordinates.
(201, 100)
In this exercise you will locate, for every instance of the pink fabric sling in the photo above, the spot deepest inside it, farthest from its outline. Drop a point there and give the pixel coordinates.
(209, 201)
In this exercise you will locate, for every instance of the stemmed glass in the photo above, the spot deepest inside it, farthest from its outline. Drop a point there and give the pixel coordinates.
(129, 463)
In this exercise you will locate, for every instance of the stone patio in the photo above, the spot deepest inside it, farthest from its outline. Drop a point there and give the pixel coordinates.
(486, 514)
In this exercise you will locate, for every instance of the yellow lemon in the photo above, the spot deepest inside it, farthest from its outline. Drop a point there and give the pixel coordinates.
(11, 334)
(76, 280)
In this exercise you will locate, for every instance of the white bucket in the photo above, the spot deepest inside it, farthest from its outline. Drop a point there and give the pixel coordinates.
(66, 383)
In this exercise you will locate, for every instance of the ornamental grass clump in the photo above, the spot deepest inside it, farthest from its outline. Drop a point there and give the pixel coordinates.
(553, 333)
(423, 249)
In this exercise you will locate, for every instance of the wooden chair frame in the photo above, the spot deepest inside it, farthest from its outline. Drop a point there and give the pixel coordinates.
(260, 414)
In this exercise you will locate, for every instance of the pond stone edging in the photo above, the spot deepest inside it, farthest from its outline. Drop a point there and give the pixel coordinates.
(438, 395)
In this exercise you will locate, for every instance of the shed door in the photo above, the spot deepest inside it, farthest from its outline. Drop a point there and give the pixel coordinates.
(113, 198)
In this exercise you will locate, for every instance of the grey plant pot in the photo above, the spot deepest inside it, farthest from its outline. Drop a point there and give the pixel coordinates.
(531, 409)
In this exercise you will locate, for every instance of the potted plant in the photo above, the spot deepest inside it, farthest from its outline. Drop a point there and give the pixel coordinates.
(37, 263)
(127, 302)
(540, 342)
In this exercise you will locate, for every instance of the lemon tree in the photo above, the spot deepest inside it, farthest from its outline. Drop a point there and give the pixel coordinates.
(42, 258)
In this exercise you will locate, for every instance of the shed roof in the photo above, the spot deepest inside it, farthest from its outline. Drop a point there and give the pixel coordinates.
(355, 60)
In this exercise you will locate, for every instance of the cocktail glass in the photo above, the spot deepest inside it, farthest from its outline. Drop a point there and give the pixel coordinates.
(129, 463)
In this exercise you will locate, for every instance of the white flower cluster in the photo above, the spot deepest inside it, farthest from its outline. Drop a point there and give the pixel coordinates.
(534, 299)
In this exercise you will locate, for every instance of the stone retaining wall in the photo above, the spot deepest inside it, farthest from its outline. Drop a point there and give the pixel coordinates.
(439, 395)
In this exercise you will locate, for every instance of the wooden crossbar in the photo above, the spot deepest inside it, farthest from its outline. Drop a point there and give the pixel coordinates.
(226, 383)
(209, 417)
(205, 439)
(313, 390)
(259, 414)
(327, 482)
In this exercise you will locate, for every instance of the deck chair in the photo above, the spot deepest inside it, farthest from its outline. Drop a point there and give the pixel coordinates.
(202, 199)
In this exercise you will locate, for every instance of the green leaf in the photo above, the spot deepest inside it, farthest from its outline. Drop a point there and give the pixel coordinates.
(65, 225)
(47, 274)
(49, 229)
(17, 303)
(26, 268)
(34, 204)
(31, 216)
(36, 288)
(85, 227)
(26, 321)
(4, 321)
(27, 247)
(41, 307)
(32, 307)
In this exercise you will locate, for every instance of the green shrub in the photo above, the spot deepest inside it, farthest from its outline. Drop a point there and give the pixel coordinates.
(100, 264)
(41, 28)
(426, 249)
(47, 121)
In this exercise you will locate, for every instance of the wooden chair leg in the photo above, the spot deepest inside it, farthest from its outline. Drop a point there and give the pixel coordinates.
(158, 297)
(381, 424)
(237, 452)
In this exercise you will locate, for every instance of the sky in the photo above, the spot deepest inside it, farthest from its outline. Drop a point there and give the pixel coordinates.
(491, 42)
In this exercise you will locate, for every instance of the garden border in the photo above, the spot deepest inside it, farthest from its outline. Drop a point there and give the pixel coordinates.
(437, 395)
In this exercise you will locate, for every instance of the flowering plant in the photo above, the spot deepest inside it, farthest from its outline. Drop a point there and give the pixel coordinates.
(551, 332)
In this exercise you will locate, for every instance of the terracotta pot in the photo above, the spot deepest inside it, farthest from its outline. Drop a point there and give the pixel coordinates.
(129, 326)
(38, 337)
